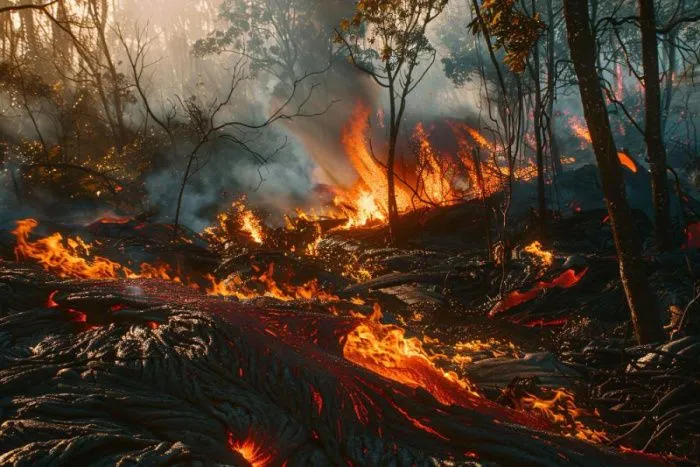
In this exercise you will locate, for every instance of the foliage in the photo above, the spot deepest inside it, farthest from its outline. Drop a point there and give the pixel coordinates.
(393, 32)
(281, 37)
(514, 31)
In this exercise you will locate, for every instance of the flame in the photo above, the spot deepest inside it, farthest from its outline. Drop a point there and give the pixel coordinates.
(63, 259)
(384, 349)
(580, 129)
(251, 451)
(627, 161)
(235, 287)
(252, 225)
(544, 257)
(565, 280)
(433, 178)
(71, 257)
(561, 409)
(239, 219)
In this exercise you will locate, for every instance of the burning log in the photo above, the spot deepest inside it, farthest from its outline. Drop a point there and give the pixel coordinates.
(217, 381)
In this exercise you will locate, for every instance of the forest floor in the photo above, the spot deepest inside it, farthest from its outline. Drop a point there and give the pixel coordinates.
(472, 354)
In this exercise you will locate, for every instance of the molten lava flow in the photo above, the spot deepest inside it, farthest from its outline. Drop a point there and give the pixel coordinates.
(544, 257)
(627, 161)
(561, 409)
(251, 451)
(567, 279)
(384, 349)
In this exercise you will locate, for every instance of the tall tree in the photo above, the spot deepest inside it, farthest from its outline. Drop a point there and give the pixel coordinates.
(652, 127)
(386, 40)
(640, 298)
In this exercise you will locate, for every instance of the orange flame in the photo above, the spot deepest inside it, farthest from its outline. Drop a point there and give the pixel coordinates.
(71, 258)
(384, 349)
(544, 257)
(580, 129)
(561, 409)
(234, 287)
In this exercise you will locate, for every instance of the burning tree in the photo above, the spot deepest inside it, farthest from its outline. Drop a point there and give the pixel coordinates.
(387, 41)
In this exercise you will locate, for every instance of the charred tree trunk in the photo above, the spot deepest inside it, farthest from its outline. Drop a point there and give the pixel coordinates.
(640, 298)
(652, 127)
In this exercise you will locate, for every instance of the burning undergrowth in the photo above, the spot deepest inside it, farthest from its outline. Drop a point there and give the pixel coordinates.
(296, 267)
(432, 319)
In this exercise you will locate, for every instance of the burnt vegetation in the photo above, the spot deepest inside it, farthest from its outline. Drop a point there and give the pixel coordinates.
(381, 232)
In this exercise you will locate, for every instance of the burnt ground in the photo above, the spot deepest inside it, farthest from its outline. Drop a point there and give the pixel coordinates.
(106, 374)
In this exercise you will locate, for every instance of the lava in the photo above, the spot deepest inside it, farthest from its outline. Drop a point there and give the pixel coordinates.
(565, 280)
(251, 451)
(627, 162)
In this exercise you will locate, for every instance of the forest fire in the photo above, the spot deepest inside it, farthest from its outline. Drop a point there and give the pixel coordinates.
(291, 233)
(434, 179)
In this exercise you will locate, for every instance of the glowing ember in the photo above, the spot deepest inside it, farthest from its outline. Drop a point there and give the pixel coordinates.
(567, 279)
(385, 350)
(251, 451)
(544, 257)
(627, 162)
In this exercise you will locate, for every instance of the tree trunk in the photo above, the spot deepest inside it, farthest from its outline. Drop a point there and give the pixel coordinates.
(640, 298)
(672, 50)
(539, 134)
(652, 127)
(392, 208)
(551, 91)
